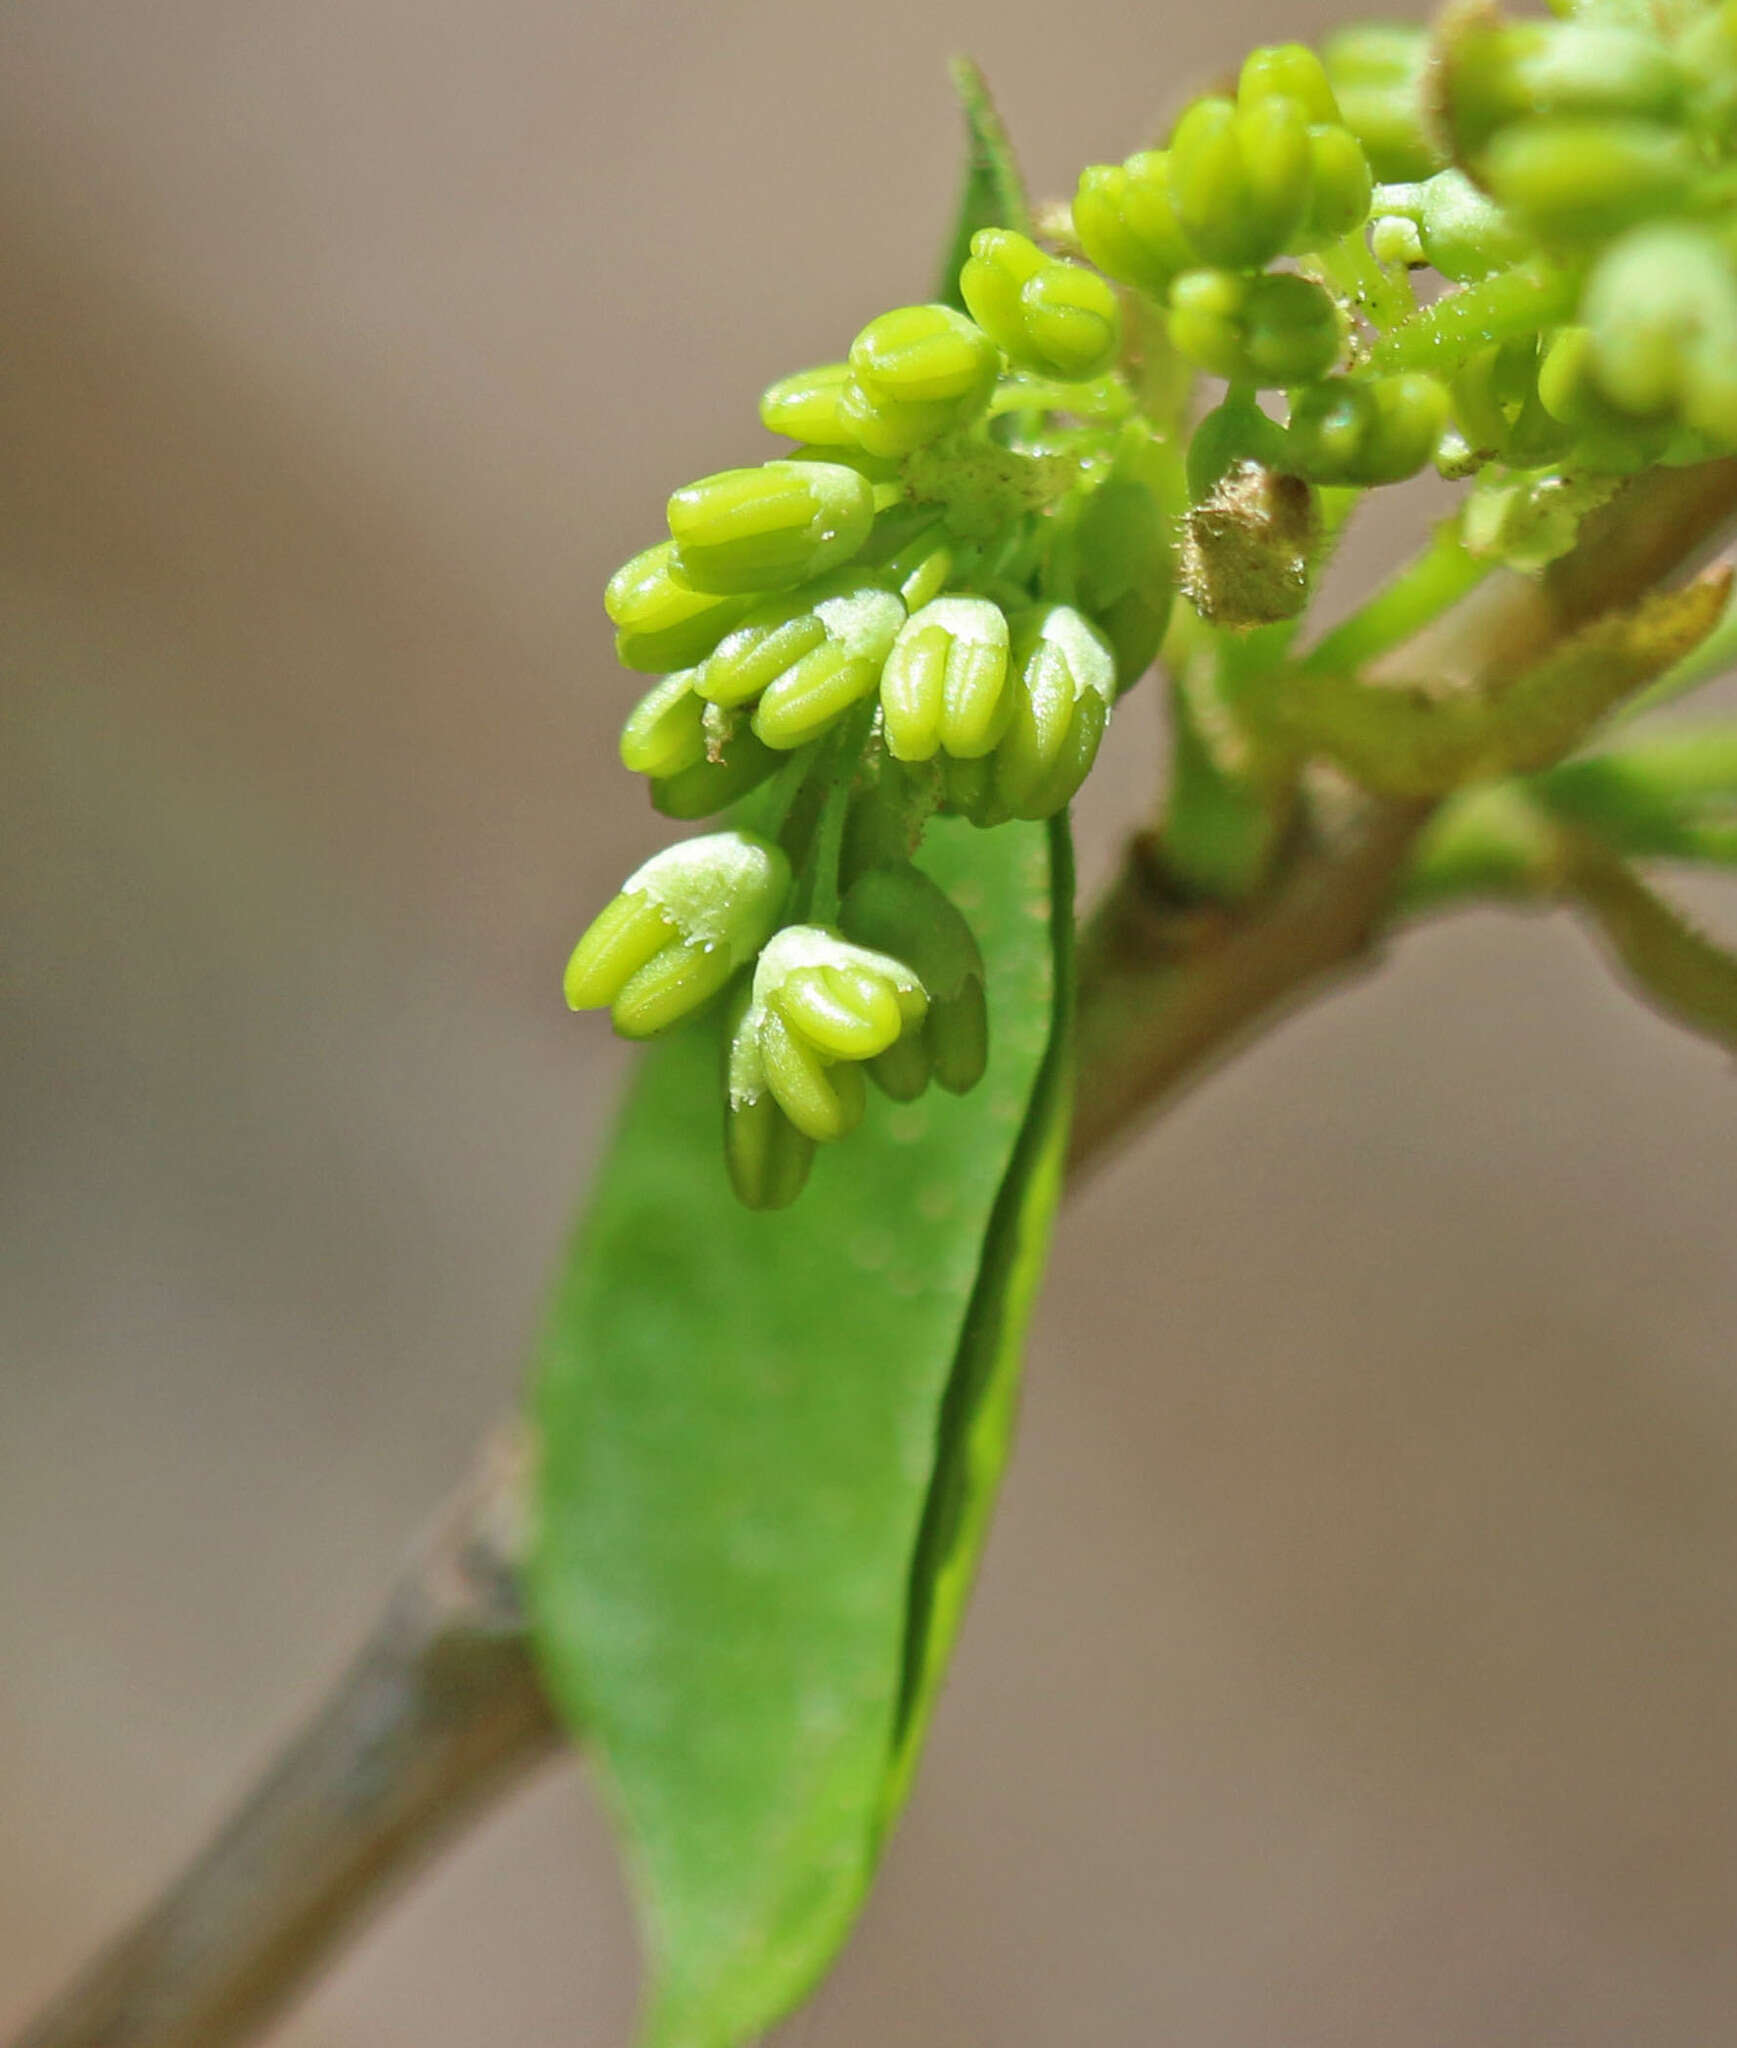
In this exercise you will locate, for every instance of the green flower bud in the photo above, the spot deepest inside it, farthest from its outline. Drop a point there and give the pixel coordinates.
(969, 791)
(1461, 231)
(1288, 71)
(681, 926)
(1604, 438)
(806, 406)
(767, 1157)
(1125, 577)
(665, 731)
(1239, 179)
(1579, 180)
(957, 1039)
(1498, 75)
(820, 1006)
(944, 687)
(733, 765)
(860, 625)
(1662, 309)
(921, 572)
(1377, 72)
(1052, 317)
(900, 911)
(1064, 685)
(1497, 408)
(1376, 430)
(1127, 224)
(917, 373)
(1340, 187)
(1275, 329)
(904, 1071)
(751, 530)
(662, 624)
(1708, 54)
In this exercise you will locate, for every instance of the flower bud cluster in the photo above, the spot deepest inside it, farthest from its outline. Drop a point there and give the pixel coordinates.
(1598, 151)
(918, 610)
(931, 601)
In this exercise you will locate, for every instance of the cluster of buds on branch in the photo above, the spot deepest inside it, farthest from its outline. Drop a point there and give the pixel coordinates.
(1503, 250)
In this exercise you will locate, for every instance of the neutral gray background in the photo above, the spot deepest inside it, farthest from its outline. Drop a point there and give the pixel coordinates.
(1356, 1654)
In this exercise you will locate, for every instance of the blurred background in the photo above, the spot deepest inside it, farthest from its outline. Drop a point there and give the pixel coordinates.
(1355, 1659)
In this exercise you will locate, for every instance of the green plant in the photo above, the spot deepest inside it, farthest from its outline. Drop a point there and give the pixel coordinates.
(776, 1386)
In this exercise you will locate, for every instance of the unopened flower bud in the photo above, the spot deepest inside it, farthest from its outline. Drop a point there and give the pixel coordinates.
(1127, 224)
(917, 373)
(1053, 317)
(1376, 430)
(1461, 231)
(1498, 75)
(1377, 73)
(899, 910)
(767, 1157)
(1289, 71)
(1272, 330)
(1340, 187)
(806, 406)
(944, 687)
(751, 530)
(806, 658)
(1239, 178)
(734, 763)
(662, 624)
(1125, 576)
(820, 1007)
(665, 731)
(1064, 685)
(1662, 309)
(1574, 180)
(683, 923)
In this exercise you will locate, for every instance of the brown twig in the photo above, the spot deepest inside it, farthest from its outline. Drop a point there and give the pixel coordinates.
(437, 1716)
(443, 1710)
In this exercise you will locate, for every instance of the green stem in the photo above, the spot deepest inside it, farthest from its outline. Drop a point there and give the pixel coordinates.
(1383, 296)
(818, 890)
(1444, 336)
(1417, 596)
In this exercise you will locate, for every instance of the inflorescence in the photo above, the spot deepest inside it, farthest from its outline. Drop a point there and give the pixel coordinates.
(1504, 250)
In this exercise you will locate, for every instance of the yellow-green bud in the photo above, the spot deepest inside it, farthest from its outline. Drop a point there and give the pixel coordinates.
(1127, 224)
(1064, 685)
(683, 923)
(751, 530)
(1289, 71)
(944, 687)
(1240, 178)
(1377, 72)
(820, 1006)
(1048, 316)
(1583, 179)
(806, 406)
(1272, 330)
(662, 624)
(665, 731)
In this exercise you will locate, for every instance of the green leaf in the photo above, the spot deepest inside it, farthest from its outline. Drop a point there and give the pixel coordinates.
(1668, 796)
(1672, 966)
(994, 193)
(768, 1444)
